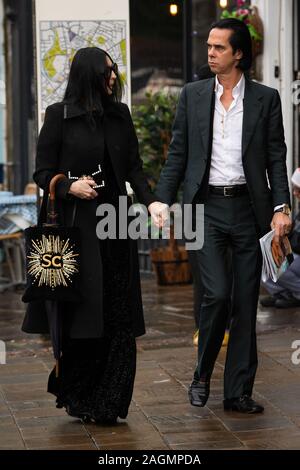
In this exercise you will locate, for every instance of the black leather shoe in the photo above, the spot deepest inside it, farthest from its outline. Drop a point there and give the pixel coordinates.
(243, 404)
(198, 393)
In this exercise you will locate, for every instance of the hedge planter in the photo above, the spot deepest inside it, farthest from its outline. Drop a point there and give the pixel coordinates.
(171, 264)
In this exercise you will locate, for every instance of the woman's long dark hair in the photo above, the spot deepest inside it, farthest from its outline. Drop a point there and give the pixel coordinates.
(87, 83)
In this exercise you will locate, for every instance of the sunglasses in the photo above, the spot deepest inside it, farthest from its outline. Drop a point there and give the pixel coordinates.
(111, 68)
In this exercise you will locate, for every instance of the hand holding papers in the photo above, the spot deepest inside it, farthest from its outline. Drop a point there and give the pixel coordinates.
(276, 256)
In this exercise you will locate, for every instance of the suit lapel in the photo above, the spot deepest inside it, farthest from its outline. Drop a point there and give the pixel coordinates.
(252, 110)
(205, 109)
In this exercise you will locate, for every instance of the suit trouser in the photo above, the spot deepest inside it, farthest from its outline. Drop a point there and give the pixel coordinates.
(229, 224)
(198, 289)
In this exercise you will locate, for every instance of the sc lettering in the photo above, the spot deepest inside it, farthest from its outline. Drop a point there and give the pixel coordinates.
(51, 261)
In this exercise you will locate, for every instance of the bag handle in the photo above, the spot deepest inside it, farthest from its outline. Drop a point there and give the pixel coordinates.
(51, 212)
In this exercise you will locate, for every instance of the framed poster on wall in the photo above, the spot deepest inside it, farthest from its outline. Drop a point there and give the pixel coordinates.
(63, 27)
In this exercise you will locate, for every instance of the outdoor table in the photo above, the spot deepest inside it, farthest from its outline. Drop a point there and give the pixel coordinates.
(16, 214)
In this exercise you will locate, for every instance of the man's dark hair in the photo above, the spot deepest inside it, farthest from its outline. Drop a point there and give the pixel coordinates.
(239, 40)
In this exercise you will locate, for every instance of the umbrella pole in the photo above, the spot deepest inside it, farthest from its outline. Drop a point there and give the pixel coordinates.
(57, 368)
(55, 328)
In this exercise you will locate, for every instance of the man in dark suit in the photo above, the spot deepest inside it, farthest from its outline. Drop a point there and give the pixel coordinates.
(228, 146)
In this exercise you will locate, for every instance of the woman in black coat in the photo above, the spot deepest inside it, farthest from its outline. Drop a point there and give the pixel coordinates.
(91, 127)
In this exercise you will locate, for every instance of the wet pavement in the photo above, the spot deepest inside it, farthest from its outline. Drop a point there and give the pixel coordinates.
(160, 416)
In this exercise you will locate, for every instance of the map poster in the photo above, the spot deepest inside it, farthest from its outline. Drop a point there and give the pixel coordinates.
(63, 27)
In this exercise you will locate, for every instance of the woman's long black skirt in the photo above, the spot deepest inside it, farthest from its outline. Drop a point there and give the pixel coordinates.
(97, 375)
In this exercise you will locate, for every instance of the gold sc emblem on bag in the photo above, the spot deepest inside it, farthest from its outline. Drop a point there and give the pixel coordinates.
(52, 261)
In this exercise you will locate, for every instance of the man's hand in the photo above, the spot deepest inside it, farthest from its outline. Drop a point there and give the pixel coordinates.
(159, 213)
(282, 225)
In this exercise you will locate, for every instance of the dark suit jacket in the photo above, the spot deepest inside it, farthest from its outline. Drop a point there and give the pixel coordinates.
(263, 148)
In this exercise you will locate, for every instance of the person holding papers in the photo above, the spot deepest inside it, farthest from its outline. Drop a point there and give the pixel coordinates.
(285, 293)
(227, 143)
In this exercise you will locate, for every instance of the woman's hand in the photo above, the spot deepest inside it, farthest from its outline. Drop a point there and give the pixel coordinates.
(83, 189)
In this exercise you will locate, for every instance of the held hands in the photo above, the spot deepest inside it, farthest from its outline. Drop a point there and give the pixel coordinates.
(159, 213)
(83, 188)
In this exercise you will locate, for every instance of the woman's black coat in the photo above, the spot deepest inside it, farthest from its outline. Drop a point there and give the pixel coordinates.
(65, 143)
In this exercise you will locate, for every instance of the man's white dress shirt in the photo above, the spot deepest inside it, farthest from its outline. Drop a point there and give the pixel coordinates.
(226, 159)
(226, 167)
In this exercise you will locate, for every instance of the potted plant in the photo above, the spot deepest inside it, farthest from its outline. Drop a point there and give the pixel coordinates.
(153, 122)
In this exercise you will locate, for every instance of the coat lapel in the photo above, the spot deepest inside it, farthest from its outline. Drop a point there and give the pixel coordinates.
(204, 105)
(252, 110)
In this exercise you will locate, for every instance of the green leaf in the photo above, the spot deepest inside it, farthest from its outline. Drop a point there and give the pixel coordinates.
(253, 33)
(225, 14)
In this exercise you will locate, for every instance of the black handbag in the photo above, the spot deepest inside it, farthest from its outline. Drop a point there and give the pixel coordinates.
(52, 257)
